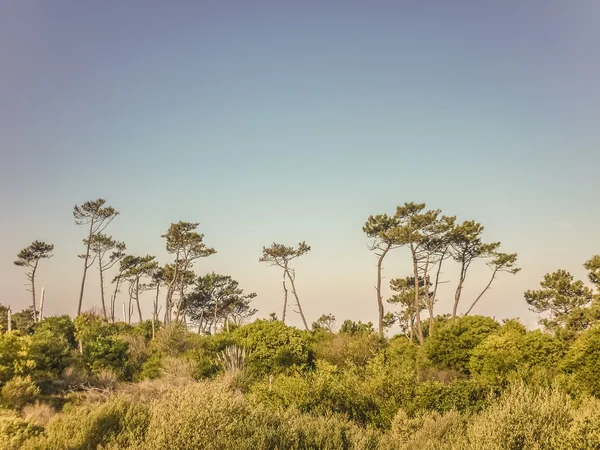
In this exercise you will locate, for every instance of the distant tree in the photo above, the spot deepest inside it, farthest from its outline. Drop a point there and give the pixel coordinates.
(95, 217)
(30, 257)
(501, 262)
(100, 245)
(136, 269)
(379, 228)
(558, 297)
(404, 296)
(351, 327)
(217, 298)
(23, 320)
(183, 241)
(281, 255)
(467, 246)
(593, 266)
(425, 234)
(325, 322)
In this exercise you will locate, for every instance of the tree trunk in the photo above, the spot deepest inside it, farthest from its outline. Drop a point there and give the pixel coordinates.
(378, 289)
(137, 298)
(42, 297)
(9, 319)
(482, 292)
(102, 291)
(285, 295)
(114, 298)
(297, 301)
(35, 316)
(215, 315)
(417, 299)
(463, 275)
(85, 268)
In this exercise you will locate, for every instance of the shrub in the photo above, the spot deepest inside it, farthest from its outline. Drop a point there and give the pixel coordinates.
(523, 418)
(118, 422)
(14, 431)
(273, 346)
(19, 392)
(452, 343)
(582, 362)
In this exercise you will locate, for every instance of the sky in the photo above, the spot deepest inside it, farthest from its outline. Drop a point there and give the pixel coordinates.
(294, 121)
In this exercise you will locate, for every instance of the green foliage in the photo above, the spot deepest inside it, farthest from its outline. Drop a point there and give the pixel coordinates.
(582, 361)
(558, 297)
(15, 431)
(351, 327)
(14, 356)
(452, 343)
(273, 347)
(18, 392)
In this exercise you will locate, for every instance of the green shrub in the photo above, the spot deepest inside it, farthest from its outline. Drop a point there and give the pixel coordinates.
(19, 391)
(14, 356)
(452, 343)
(582, 361)
(118, 422)
(523, 418)
(273, 346)
(14, 431)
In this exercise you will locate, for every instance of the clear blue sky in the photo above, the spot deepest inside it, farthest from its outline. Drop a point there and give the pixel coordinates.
(288, 121)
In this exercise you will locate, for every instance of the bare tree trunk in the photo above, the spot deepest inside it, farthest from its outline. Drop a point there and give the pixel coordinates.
(102, 291)
(297, 300)
(137, 298)
(285, 295)
(35, 318)
(482, 292)
(180, 302)
(124, 313)
(378, 289)
(170, 292)
(114, 298)
(215, 316)
(417, 299)
(463, 274)
(85, 268)
(42, 297)
(155, 309)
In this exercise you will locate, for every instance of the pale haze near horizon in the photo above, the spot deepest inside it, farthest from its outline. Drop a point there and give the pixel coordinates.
(281, 122)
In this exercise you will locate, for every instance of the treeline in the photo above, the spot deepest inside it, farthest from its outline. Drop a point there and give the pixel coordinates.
(446, 381)
(430, 238)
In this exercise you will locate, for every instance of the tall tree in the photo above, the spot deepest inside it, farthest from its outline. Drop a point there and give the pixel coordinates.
(30, 257)
(404, 296)
(95, 217)
(217, 298)
(100, 245)
(593, 267)
(500, 262)
(136, 269)
(380, 229)
(467, 246)
(424, 232)
(281, 255)
(183, 241)
(559, 295)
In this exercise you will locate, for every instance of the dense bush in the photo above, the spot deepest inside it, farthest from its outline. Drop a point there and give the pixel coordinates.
(19, 392)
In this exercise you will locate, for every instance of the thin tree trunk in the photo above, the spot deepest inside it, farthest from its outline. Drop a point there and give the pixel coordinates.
(114, 298)
(35, 317)
(428, 298)
(417, 299)
(137, 299)
(297, 301)
(180, 302)
(42, 297)
(171, 291)
(285, 295)
(215, 315)
(9, 318)
(437, 282)
(102, 290)
(463, 275)
(85, 268)
(155, 309)
(482, 292)
(378, 289)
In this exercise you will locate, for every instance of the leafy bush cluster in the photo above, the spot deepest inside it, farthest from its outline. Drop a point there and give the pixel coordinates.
(474, 384)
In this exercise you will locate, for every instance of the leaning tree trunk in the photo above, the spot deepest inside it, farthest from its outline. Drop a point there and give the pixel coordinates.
(102, 291)
(378, 290)
(297, 301)
(85, 268)
(285, 296)
(417, 299)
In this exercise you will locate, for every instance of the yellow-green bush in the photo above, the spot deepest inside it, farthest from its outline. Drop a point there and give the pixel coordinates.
(19, 391)
(14, 431)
